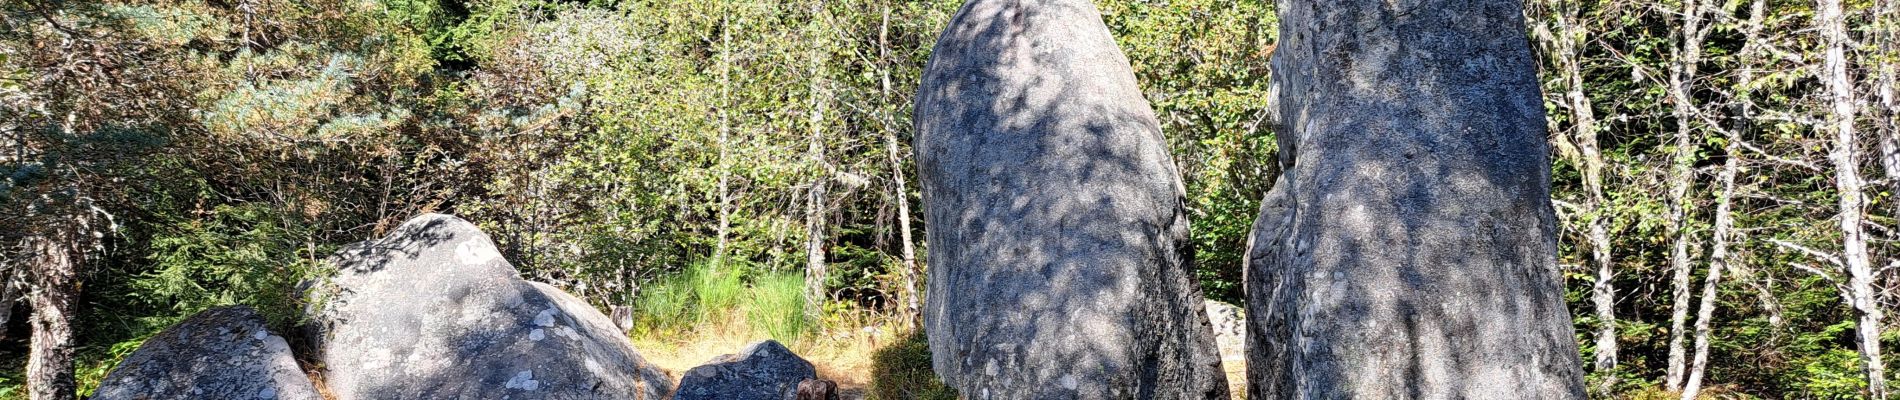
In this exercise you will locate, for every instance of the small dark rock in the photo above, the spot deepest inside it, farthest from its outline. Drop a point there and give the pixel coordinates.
(765, 370)
(817, 389)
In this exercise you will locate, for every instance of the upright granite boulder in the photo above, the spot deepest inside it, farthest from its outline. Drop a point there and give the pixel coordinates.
(221, 353)
(1408, 250)
(764, 370)
(432, 311)
(1060, 261)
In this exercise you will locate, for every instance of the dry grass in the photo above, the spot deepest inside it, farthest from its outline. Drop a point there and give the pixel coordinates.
(845, 356)
(867, 363)
(1236, 376)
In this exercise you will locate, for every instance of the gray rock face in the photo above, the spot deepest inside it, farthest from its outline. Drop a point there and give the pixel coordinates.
(1060, 265)
(221, 353)
(1409, 249)
(765, 370)
(432, 311)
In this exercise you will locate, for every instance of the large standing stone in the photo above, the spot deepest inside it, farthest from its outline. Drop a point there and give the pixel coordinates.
(1408, 251)
(432, 311)
(1060, 262)
(221, 353)
(765, 370)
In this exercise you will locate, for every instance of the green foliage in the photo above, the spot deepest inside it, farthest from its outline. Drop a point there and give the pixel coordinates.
(665, 306)
(92, 370)
(1203, 66)
(695, 297)
(237, 254)
(1832, 375)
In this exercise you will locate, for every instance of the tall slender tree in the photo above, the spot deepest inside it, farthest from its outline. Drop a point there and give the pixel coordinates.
(1562, 27)
(1885, 44)
(815, 205)
(1831, 21)
(912, 310)
(1720, 256)
(1683, 67)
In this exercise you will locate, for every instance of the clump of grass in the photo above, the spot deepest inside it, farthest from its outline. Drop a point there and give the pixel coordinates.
(706, 300)
(667, 305)
(716, 292)
(902, 370)
(776, 306)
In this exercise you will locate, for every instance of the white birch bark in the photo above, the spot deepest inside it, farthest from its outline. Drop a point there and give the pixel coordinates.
(1832, 24)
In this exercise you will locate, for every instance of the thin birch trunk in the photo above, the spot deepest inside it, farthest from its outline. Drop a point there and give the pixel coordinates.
(1681, 71)
(1847, 180)
(1718, 260)
(725, 141)
(912, 310)
(1887, 21)
(1719, 257)
(1566, 54)
(815, 267)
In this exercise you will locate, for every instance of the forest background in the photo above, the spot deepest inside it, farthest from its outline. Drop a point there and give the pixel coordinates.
(1725, 169)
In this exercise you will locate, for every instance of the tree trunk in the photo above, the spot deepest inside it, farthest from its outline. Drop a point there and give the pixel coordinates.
(1719, 257)
(815, 267)
(54, 273)
(725, 134)
(1888, 112)
(1718, 260)
(1567, 55)
(912, 310)
(1416, 258)
(1682, 69)
(1847, 180)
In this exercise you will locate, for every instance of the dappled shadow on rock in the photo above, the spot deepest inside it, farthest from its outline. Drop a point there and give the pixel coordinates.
(1060, 264)
(221, 353)
(434, 311)
(1408, 249)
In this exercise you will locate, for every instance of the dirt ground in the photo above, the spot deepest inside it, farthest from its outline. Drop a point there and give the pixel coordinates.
(845, 359)
(842, 358)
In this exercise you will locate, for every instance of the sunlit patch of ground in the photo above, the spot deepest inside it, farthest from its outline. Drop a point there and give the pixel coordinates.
(1236, 375)
(844, 356)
